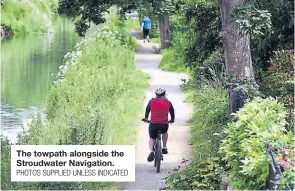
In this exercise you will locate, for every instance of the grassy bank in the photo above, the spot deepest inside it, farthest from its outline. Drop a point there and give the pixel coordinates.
(209, 118)
(132, 24)
(97, 99)
(19, 17)
(169, 62)
(204, 171)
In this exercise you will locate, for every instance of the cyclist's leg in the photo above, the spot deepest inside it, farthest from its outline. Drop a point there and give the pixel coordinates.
(153, 136)
(147, 35)
(144, 34)
(151, 144)
(164, 132)
(165, 138)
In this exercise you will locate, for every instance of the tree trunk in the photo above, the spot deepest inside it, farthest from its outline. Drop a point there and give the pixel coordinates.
(164, 27)
(237, 50)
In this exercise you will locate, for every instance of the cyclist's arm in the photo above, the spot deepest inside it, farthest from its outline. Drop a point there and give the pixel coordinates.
(147, 110)
(171, 110)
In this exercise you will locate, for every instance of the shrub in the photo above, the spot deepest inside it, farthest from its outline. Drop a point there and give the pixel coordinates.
(203, 21)
(278, 81)
(20, 16)
(245, 144)
(205, 175)
(285, 158)
(212, 70)
(5, 163)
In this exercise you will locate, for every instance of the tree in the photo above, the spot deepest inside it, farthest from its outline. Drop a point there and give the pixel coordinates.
(160, 10)
(237, 49)
(86, 10)
(163, 9)
(164, 27)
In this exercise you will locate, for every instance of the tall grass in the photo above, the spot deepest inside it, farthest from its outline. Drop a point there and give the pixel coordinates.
(22, 17)
(96, 100)
(209, 117)
(169, 63)
(132, 24)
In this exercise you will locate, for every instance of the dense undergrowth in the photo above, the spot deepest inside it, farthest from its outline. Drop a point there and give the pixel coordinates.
(244, 146)
(95, 100)
(132, 24)
(168, 62)
(19, 17)
(205, 170)
(231, 151)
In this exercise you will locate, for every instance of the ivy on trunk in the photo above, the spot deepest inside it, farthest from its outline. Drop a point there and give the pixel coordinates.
(237, 50)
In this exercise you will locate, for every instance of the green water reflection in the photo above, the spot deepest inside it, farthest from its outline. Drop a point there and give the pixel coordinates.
(27, 64)
(26, 67)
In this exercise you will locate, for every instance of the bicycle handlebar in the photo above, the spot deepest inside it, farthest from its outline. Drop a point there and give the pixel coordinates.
(148, 121)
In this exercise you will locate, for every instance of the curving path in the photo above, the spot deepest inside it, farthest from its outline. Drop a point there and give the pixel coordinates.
(178, 142)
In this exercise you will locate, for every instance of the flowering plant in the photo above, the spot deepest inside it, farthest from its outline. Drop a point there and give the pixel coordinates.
(286, 159)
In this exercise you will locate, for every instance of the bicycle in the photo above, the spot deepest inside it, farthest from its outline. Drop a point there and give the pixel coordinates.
(157, 149)
(158, 152)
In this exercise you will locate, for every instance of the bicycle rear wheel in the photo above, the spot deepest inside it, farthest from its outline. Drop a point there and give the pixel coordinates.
(155, 150)
(158, 156)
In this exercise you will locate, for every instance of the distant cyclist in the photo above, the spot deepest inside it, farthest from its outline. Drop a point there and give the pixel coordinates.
(145, 27)
(159, 107)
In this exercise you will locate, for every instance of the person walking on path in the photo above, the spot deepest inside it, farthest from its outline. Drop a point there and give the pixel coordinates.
(145, 27)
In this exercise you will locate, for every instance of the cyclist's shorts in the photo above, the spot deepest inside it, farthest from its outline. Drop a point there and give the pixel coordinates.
(155, 128)
(146, 32)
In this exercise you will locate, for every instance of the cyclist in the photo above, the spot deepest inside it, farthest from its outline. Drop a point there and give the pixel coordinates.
(145, 27)
(159, 108)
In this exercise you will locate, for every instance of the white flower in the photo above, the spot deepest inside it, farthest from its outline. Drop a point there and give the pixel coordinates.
(79, 53)
(65, 70)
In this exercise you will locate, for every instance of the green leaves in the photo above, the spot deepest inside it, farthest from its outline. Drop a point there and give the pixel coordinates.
(278, 81)
(244, 147)
(204, 175)
(84, 12)
(251, 20)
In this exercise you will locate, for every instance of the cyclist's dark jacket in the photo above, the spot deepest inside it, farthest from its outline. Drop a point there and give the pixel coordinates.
(159, 108)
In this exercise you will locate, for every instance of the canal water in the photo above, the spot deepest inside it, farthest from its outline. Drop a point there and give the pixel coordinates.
(28, 67)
